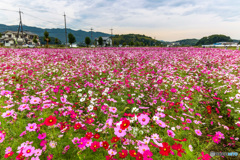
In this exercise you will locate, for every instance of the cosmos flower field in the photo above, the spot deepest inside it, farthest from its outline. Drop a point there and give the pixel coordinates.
(119, 103)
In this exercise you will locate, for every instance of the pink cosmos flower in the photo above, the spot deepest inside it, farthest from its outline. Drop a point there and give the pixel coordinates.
(42, 136)
(143, 119)
(35, 100)
(35, 158)
(205, 156)
(103, 107)
(112, 152)
(198, 132)
(63, 100)
(23, 107)
(220, 135)
(8, 150)
(170, 133)
(38, 152)
(28, 151)
(75, 140)
(8, 113)
(161, 123)
(31, 127)
(119, 132)
(173, 90)
(189, 120)
(215, 139)
(89, 142)
(23, 133)
(113, 109)
(143, 148)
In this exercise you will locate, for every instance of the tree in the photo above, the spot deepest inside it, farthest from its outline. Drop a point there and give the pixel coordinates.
(57, 41)
(100, 41)
(71, 38)
(214, 39)
(46, 37)
(35, 39)
(0, 34)
(87, 41)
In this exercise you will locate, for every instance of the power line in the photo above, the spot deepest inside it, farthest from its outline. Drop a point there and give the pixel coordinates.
(8, 10)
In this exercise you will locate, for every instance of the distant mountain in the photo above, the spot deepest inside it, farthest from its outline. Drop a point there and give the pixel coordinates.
(56, 32)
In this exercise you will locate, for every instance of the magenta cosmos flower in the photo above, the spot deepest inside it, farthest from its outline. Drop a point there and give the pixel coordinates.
(113, 109)
(170, 133)
(31, 127)
(42, 136)
(216, 140)
(143, 119)
(119, 132)
(28, 151)
(8, 113)
(198, 132)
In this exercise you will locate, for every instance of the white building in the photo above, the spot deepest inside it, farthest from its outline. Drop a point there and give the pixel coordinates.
(107, 41)
(222, 44)
(9, 38)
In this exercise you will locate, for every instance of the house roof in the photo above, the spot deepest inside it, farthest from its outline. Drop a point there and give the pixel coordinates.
(104, 38)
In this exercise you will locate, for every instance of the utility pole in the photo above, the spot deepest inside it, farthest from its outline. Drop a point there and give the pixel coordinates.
(91, 34)
(20, 25)
(111, 35)
(65, 28)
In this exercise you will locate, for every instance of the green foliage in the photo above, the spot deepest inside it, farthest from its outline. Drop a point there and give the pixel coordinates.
(100, 41)
(87, 41)
(46, 36)
(138, 39)
(57, 41)
(213, 39)
(35, 39)
(187, 42)
(71, 38)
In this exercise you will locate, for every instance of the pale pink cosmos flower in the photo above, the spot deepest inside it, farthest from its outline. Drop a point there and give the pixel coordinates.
(113, 109)
(89, 142)
(119, 132)
(143, 119)
(31, 127)
(220, 135)
(38, 152)
(75, 140)
(155, 136)
(42, 136)
(35, 100)
(112, 152)
(170, 133)
(161, 123)
(8, 113)
(23, 107)
(28, 151)
(198, 132)
(35, 158)
(53, 144)
(63, 99)
(143, 148)
(8, 150)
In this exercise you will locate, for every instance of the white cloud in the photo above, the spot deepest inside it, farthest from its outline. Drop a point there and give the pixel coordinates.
(165, 19)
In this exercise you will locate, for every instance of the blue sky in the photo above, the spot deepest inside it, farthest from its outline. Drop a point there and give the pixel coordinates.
(163, 19)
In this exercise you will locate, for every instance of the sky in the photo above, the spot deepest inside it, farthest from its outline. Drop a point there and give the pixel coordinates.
(167, 20)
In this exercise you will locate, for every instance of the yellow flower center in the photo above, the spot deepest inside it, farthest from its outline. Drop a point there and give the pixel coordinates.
(120, 131)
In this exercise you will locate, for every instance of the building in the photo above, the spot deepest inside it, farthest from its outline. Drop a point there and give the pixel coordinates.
(222, 44)
(107, 41)
(9, 38)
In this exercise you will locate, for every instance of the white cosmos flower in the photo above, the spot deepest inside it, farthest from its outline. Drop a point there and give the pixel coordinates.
(82, 99)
